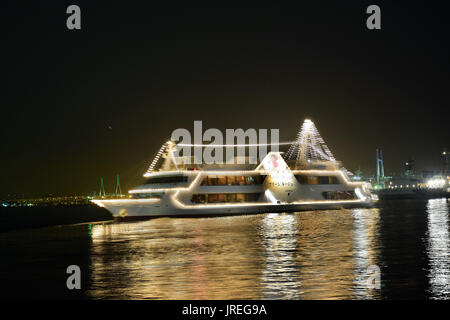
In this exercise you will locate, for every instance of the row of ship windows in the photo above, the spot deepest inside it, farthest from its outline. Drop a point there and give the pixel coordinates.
(224, 197)
(252, 197)
(232, 180)
(251, 180)
(241, 180)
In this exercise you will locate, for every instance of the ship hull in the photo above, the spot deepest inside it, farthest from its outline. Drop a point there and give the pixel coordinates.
(134, 211)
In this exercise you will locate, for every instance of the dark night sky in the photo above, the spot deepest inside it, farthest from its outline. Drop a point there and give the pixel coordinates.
(146, 71)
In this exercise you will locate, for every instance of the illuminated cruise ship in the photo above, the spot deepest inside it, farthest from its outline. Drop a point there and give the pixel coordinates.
(306, 177)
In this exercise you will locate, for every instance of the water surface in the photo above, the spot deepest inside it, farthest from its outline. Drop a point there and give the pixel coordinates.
(307, 255)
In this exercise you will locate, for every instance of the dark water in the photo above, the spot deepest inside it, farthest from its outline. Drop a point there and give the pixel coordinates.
(306, 255)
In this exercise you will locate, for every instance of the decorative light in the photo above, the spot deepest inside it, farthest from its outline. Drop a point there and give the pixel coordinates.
(101, 203)
(270, 196)
(359, 194)
(234, 145)
(309, 145)
(157, 157)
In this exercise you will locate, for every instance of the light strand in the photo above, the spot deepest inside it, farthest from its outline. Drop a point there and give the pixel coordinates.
(234, 145)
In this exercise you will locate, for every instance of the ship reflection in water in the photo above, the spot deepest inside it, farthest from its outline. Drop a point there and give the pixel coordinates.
(438, 249)
(307, 255)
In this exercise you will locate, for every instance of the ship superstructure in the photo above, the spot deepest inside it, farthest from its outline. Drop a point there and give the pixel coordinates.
(305, 177)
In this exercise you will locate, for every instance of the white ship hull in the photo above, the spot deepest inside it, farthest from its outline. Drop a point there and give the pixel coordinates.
(199, 193)
(128, 209)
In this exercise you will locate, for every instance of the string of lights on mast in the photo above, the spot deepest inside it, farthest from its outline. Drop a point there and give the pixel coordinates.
(309, 146)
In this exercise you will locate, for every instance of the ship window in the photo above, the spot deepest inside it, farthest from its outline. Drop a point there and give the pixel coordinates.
(198, 198)
(312, 180)
(307, 179)
(145, 195)
(251, 197)
(212, 198)
(252, 180)
(301, 179)
(232, 180)
(317, 179)
(339, 195)
(225, 197)
(328, 180)
(222, 180)
(169, 179)
(323, 180)
(334, 180)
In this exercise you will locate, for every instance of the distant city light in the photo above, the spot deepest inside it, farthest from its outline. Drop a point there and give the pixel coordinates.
(436, 183)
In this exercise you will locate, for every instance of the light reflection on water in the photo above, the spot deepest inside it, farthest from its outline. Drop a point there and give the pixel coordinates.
(438, 248)
(366, 246)
(307, 255)
(280, 275)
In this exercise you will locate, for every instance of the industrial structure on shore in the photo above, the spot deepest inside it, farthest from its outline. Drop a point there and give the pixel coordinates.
(410, 184)
(52, 200)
